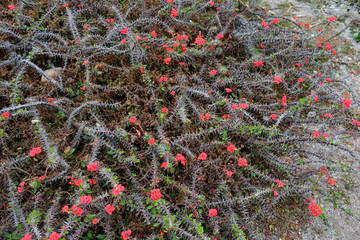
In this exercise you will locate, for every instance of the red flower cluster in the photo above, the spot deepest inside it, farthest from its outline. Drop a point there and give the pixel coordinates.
(153, 33)
(126, 234)
(164, 110)
(231, 148)
(180, 158)
(280, 183)
(242, 162)
(117, 189)
(27, 237)
(85, 199)
(316, 211)
(199, 41)
(109, 209)
(92, 167)
(11, 7)
(54, 236)
(328, 115)
(228, 90)
(265, 24)
(65, 209)
(332, 18)
(133, 119)
(283, 101)
(151, 141)
(276, 21)
(164, 165)
(202, 156)
(273, 116)
(277, 79)
(220, 36)
(356, 122)
(174, 13)
(213, 212)
(5, 114)
(124, 31)
(244, 105)
(110, 20)
(35, 151)
(77, 210)
(346, 102)
(204, 117)
(167, 61)
(155, 194)
(213, 72)
(331, 181)
(163, 79)
(258, 63)
(316, 134)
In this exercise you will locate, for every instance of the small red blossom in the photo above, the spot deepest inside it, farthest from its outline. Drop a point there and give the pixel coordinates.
(202, 156)
(126, 234)
(332, 18)
(95, 221)
(331, 181)
(298, 65)
(213, 72)
(328, 80)
(109, 209)
(174, 13)
(244, 105)
(54, 236)
(65, 209)
(27, 237)
(41, 178)
(167, 60)
(219, 36)
(85, 62)
(258, 63)
(141, 69)
(153, 33)
(211, 3)
(333, 52)
(66, 5)
(261, 46)
(124, 30)
(110, 20)
(199, 41)
(242, 162)
(229, 173)
(164, 110)
(280, 183)
(213, 212)
(316, 134)
(117, 189)
(277, 79)
(133, 119)
(78, 182)
(19, 190)
(326, 135)
(172, 93)
(155, 194)
(92, 167)
(11, 7)
(231, 148)
(123, 41)
(276, 193)
(265, 24)
(328, 46)
(276, 21)
(205, 116)
(328, 115)
(85, 199)
(5, 114)
(180, 158)
(151, 141)
(346, 102)
(283, 101)
(273, 116)
(164, 165)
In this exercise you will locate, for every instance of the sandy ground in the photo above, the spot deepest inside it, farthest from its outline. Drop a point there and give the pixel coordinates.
(340, 224)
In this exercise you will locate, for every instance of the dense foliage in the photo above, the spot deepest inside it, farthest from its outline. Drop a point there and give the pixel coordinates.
(176, 119)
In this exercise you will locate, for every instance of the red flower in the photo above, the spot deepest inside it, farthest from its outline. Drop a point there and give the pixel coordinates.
(213, 72)
(265, 24)
(65, 209)
(332, 18)
(328, 115)
(110, 20)
(22, 184)
(78, 182)
(244, 105)
(125, 234)
(133, 119)
(117, 189)
(11, 7)
(85, 27)
(123, 41)
(259, 63)
(174, 13)
(124, 30)
(276, 21)
(167, 60)
(346, 102)
(141, 69)
(242, 162)
(328, 46)
(85, 62)
(109, 209)
(172, 93)
(326, 135)
(316, 134)
(151, 141)
(277, 79)
(211, 3)
(92, 167)
(181, 63)
(333, 52)
(180, 158)
(299, 23)
(234, 106)
(319, 44)
(202, 156)
(66, 5)
(199, 41)
(54, 236)
(27, 237)
(155, 194)
(231, 148)
(276, 193)
(153, 33)
(5, 114)
(85, 199)
(164, 165)
(328, 80)
(95, 221)
(20, 189)
(213, 212)
(229, 173)
(220, 36)
(283, 101)
(41, 178)
(261, 46)
(298, 65)
(280, 183)
(273, 116)
(331, 181)
(92, 181)
(164, 110)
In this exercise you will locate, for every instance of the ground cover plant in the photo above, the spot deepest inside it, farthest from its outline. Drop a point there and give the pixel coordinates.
(167, 120)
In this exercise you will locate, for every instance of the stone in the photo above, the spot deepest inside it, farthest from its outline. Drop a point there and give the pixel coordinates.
(51, 73)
